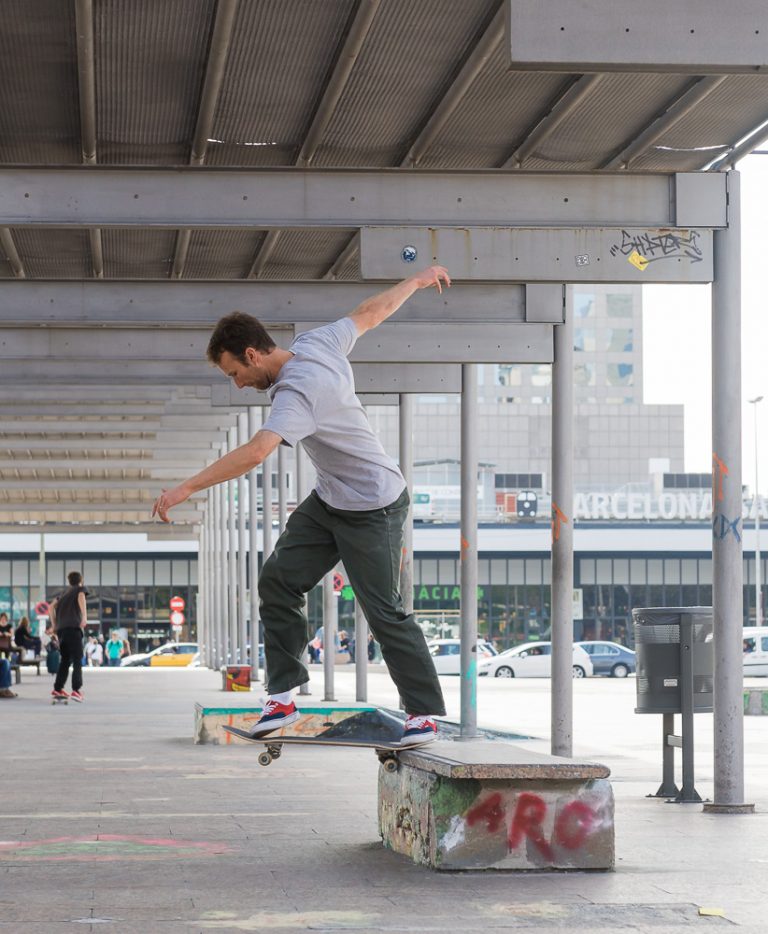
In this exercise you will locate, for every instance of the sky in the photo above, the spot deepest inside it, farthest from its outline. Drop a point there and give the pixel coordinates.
(677, 341)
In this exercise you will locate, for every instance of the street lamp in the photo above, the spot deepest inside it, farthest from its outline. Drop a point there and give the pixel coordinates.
(758, 588)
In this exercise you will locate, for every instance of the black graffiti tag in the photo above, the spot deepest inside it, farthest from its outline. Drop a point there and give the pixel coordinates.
(659, 246)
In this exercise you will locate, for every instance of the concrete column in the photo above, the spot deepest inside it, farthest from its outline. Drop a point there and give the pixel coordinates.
(234, 634)
(562, 536)
(242, 550)
(330, 625)
(406, 468)
(42, 574)
(302, 491)
(727, 528)
(469, 459)
(253, 552)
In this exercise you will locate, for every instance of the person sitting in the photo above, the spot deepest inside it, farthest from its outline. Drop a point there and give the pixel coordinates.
(5, 679)
(6, 628)
(25, 640)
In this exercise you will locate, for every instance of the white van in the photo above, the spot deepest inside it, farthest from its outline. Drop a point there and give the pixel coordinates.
(755, 651)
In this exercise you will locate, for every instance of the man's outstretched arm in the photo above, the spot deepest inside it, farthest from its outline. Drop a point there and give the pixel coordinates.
(379, 307)
(234, 464)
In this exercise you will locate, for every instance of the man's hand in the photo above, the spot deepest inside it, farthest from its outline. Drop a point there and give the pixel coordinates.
(433, 275)
(167, 500)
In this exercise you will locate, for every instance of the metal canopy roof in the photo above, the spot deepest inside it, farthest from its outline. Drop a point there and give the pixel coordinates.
(293, 84)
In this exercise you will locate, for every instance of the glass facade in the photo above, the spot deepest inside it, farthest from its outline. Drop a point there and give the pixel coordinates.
(125, 593)
(133, 594)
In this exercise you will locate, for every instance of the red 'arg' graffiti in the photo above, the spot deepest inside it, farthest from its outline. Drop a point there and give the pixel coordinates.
(572, 825)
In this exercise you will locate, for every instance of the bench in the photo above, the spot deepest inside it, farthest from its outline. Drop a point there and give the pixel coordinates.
(8, 650)
(483, 804)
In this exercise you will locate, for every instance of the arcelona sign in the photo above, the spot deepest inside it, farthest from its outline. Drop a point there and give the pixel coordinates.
(647, 506)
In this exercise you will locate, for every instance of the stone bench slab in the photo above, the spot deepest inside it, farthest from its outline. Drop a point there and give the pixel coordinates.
(488, 760)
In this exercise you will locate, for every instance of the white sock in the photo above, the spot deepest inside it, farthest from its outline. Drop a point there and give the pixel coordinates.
(284, 698)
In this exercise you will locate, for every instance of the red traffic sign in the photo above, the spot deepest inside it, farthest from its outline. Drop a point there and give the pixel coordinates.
(177, 603)
(41, 608)
(338, 581)
(177, 618)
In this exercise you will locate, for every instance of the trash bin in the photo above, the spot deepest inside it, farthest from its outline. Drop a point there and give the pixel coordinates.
(657, 643)
(237, 678)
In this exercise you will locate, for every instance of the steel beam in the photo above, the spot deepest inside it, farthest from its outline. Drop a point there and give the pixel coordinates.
(468, 550)
(8, 246)
(261, 199)
(177, 306)
(145, 464)
(176, 445)
(687, 36)
(575, 254)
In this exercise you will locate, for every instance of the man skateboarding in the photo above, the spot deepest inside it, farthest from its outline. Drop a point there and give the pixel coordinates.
(355, 513)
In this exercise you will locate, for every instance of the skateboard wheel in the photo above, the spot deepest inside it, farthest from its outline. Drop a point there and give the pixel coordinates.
(264, 758)
(390, 765)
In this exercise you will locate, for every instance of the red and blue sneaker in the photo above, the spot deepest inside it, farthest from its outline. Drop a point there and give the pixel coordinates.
(418, 730)
(274, 717)
(77, 696)
(59, 695)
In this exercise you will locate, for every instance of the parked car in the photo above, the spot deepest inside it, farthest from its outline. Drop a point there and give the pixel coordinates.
(610, 658)
(446, 654)
(755, 648)
(170, 655)
(532, 660)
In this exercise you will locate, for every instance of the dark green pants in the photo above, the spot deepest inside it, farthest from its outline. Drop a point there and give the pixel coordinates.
(370, 545)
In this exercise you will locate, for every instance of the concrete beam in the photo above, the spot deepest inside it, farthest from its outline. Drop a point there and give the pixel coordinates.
(88, 196)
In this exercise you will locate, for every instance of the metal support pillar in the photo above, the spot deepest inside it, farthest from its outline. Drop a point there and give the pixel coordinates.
(469, 459)
(202, 639)
(209, 584)
(242, 552)
(302, 491)
(218, 570)
(253, 550)
(406, 468)
(234, 635)
(562, 537)
(224, 645)
(361, 654)
(282, 488)
(727, 571)
(266, 526)
(42, 575)
(330, 625)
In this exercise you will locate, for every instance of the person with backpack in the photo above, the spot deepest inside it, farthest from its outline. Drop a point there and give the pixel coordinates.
(68, 613)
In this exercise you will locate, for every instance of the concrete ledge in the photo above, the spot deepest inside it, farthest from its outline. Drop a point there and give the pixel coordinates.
(492, 805)
(756, 702)
(210, 720)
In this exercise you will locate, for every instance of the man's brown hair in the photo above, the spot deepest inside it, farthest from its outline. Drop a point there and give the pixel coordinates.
(236, 331)
(75, 578)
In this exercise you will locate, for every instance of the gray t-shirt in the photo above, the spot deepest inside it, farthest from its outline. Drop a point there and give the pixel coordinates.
(314, 401)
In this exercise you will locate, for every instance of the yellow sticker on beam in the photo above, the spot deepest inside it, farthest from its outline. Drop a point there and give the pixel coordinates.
(711, 912)
(638, 261)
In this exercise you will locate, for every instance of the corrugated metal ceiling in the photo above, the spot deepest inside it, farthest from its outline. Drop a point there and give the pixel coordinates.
(151, 63)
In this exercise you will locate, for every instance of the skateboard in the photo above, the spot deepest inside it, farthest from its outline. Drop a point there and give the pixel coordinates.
(386, 752)
(59, 700)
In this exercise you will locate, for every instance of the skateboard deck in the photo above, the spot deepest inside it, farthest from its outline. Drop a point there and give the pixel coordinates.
(386, 751)
(59, 700)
